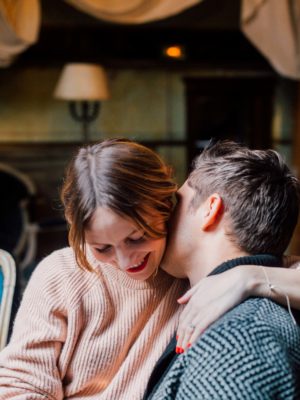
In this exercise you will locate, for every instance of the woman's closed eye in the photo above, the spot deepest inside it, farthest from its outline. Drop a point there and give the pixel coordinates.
(132, 240)
(137, 240)
(104, 249)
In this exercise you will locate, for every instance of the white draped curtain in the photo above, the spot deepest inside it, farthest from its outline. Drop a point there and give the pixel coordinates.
(132, 11)
(273, 26)
(19, 27)
(20, 20)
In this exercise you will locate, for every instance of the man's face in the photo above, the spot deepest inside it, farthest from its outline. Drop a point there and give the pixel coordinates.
(183, 234)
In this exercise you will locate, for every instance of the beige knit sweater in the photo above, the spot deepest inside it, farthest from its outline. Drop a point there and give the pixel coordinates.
(79, 335)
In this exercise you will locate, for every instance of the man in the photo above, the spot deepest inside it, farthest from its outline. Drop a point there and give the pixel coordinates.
(238, 206)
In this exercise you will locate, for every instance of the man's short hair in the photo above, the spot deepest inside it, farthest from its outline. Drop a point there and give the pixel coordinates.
(259, 192)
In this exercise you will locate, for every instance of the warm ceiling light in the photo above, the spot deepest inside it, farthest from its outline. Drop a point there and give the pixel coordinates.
(174, 51)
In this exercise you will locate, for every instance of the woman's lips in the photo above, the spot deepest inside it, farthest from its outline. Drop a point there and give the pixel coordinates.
(140, 267)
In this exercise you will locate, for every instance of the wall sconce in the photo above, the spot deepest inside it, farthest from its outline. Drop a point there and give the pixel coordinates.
(83, 86)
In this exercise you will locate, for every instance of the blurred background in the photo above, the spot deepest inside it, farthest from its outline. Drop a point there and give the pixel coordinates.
(169, 74)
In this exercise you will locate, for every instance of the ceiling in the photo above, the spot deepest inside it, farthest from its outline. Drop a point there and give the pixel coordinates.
(209, 33)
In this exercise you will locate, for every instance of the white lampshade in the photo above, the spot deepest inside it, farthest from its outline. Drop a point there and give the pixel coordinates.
(82, 82)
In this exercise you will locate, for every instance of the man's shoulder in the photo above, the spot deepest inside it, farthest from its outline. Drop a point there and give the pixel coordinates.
(257, 328)
(253, 348)
(256, 315)
(251, 352)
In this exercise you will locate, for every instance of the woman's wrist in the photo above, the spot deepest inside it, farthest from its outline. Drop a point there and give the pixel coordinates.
(254, 281)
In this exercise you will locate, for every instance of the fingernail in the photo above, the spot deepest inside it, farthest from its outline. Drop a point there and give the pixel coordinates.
(181, 350)
(177, 337)
(177, 350)
(188, 345)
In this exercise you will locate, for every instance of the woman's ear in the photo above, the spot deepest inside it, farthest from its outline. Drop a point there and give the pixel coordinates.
(212, 210)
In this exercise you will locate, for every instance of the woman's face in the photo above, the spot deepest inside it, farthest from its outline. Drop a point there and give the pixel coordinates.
(118, 241)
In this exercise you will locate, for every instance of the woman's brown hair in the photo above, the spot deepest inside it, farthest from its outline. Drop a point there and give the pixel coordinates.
(124, 176)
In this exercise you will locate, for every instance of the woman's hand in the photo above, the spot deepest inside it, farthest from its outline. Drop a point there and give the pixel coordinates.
(215, 295)
(209, 299)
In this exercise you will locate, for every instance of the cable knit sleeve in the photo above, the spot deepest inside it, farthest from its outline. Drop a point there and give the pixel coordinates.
(29, 365)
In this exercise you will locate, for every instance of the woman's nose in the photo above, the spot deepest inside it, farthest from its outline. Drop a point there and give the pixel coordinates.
(124, 259)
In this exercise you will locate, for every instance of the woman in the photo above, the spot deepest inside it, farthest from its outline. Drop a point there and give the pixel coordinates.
(95, 317)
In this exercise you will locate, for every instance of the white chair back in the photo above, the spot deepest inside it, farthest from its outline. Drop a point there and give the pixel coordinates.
(8, 282)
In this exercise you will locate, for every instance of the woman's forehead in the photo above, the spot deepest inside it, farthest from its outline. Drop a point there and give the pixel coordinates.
(106, 226)
(104, 217)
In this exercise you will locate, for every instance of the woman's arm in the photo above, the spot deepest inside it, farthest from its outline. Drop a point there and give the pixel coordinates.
(29, 363)
(215, 295)
(286, 281)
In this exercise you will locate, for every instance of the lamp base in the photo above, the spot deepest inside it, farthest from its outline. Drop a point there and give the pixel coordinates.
(85, 112)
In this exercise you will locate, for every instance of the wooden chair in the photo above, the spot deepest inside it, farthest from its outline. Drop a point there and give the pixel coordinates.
(7, 288)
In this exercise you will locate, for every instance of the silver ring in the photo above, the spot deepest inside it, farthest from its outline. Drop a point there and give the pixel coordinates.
(191, 327)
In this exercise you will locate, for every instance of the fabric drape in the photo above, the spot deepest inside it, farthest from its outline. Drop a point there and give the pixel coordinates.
(132, 11)
(19, 27)
(273, 27)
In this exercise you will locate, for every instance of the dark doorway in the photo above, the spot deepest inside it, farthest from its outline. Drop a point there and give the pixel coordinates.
(237, 108)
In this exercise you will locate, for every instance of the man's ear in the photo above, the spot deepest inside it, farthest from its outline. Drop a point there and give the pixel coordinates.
(212, 210)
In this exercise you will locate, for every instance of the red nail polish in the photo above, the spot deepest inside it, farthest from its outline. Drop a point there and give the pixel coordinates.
(188, 345)
(177, 350)
(177, 337)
